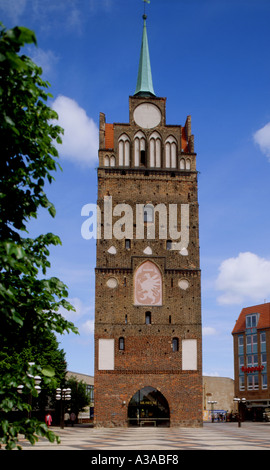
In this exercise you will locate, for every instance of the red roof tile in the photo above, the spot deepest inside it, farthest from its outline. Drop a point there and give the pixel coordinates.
(109, 136)
(264, 318)
(184, 142)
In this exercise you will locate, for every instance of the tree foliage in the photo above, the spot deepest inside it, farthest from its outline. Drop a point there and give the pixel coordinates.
(79, 397)
(29, 303)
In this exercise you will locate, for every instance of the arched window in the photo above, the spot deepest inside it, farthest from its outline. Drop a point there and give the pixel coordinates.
(139, 149)
(175, 344)
(109, 161)
(182, 164)
(155, 150)
(148, 213)
(121, 344)
(188, 164)
(148, 285)
(170, 152)
(124, 150)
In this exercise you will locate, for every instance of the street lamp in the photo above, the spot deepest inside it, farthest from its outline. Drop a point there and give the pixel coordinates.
(62, 394)
(212, 403)
(239, 401)
(37, 380)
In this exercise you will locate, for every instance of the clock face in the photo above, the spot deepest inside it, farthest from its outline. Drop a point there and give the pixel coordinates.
(147, 115)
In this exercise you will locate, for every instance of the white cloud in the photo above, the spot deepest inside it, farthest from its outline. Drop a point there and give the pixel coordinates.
(88, 327)
(13, 8)
(209, 331)
(80, 140)
(244, 278)
(44, 59)
(80, 309)
(262, 138)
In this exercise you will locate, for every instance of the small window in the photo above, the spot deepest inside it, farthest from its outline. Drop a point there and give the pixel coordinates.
(143, 157)
(263, 358)
(169, 245)
(121, 344)
(241, 382)
(148, 213)
(264, 381)
(148, 318)
(241, 361)
(263, 337)
(127, 244)
(251, 320)
(175, 344)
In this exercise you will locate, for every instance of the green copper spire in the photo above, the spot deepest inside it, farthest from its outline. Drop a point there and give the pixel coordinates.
(144, 81)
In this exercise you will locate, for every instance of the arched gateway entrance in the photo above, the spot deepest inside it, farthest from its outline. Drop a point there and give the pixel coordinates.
(148, 407)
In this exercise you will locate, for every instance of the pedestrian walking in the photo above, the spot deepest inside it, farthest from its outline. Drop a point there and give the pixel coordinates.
(72, 418)
(48, 419)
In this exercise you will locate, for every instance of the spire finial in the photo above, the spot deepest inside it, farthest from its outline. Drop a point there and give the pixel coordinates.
(145, 1)
(144, 81)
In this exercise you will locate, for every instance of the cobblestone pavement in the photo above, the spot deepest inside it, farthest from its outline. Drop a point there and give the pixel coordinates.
(212, 436)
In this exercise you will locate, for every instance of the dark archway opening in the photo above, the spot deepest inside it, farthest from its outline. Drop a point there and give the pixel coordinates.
(148, 407)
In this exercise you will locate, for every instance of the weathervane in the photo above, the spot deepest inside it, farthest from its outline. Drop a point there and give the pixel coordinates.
(145, 1)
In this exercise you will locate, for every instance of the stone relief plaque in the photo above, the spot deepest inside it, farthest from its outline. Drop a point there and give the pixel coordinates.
(148, 285)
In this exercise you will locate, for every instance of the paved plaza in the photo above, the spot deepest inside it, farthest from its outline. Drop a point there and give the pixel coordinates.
(212, 436)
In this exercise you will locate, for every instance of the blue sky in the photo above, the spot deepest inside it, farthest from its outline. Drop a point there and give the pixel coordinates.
(210, 58)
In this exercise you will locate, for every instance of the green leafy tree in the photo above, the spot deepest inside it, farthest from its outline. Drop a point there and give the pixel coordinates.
(29, 303)
(79, 396)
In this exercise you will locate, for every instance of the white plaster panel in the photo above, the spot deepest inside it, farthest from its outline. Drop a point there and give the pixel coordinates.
(106, 354)
(189, 354)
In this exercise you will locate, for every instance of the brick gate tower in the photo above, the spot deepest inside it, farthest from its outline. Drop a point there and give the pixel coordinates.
(148, 352)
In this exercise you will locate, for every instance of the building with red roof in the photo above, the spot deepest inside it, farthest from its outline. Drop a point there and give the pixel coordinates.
(251, 336)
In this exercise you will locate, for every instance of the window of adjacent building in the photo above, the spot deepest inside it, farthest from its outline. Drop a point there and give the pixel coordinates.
(148, 318)
(90, 392)
(251, 343)
(251, 320)
(121, 344)
(253, 381)
(175, 344)
(241, 382)
(264, 381)
(240, 344)
(241, 361)
(263, 341)
(264, 363)
(252, 360)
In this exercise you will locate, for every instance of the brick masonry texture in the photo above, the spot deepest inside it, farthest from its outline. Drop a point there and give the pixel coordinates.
(148, 358)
